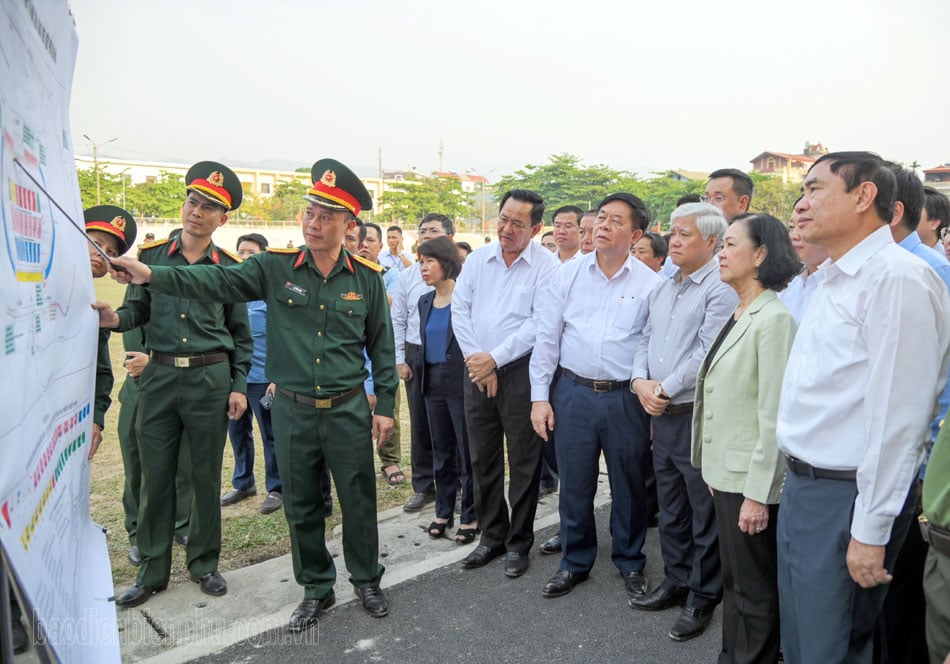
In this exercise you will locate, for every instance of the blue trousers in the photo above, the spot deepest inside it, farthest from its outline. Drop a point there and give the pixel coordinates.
(588, 422)
(826, 617)
(241, 433)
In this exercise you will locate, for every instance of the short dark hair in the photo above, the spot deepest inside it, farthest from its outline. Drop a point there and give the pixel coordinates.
(741, 182)
(573, 209)
(447, 224)
(464, 245)
(379, 231)
(393, 228)
(658, 244)
(781, 263)
(641, 215)
(937, 206)
(256, 238)
(526, 196)
(858, 167)
(546, 233)
(445, 251)
(910, 192)
(360, 228)
(689, 198)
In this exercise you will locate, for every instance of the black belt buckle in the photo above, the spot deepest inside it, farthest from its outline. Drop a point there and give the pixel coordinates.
(601, 385)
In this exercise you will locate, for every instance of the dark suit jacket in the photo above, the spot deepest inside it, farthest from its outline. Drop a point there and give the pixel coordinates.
(453, 355)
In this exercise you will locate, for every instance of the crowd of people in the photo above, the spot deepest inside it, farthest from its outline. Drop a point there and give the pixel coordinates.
(766, 391)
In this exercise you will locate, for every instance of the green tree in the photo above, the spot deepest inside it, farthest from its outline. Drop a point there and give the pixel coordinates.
(162, 198)
(774, 196)
(110, 187)
(661, 192)
(408, 201)
(287, 201)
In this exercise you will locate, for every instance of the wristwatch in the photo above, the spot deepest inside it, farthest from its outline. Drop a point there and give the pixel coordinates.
(658, 390)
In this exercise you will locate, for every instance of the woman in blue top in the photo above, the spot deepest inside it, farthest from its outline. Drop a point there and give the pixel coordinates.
(442, 384)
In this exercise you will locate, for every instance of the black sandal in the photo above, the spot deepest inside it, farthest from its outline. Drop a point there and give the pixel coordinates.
(437, 530)
(466, 535)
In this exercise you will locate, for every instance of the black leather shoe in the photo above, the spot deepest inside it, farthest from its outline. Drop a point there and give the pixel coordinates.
(553, 545)
(181, 540)
(563, 582)
(374, 601)
(235, 496)
(660, 599)
(134, 556)
(516, 564)
(635, 583)
(482, 555)
(212, 583)
(21, 640)
(137, 594)
(691, 623)
(418, 501)
(308, 612)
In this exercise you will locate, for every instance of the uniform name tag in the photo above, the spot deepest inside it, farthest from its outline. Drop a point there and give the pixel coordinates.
(295, 288)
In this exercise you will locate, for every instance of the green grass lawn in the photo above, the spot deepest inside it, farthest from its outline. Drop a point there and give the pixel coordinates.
(247, 536)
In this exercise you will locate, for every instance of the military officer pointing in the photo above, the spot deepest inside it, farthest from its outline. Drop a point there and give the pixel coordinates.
(323, 305)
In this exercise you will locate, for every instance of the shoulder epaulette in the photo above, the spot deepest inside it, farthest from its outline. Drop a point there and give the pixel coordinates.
(232, 256)
(375, 267)
(153, 243)
(283, 250)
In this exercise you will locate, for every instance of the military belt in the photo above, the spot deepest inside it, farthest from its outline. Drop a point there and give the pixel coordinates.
(188, 361)
(322, 403)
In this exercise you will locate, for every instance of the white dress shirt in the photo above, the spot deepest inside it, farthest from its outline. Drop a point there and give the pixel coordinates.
(393, 261)
(493, 303)
(405, 310)
(590, 323)
(861, 385)
(799, 292)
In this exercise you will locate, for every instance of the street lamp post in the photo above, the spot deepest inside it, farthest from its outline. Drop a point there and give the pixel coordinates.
(95, 164)
(482, 189)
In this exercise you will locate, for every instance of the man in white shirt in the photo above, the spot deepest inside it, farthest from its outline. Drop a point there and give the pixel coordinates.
(596, 307)
(492, 316)
(799, 292)
(567, 231)
(587, 231)
(854, 411)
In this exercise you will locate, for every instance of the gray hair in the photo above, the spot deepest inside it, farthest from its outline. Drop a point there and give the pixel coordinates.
(709, 219)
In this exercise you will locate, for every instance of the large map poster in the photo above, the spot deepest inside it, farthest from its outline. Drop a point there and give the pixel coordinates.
(48, 345)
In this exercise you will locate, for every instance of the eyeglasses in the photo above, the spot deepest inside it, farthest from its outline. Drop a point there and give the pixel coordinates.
(945, 232)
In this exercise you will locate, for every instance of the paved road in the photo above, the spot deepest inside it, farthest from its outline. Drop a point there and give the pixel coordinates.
(481, 615)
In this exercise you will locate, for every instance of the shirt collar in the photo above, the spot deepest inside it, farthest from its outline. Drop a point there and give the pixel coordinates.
(211, 253)
(700, 275)
(860, 253)
(525, 255)
(343, 262)
(911, 242)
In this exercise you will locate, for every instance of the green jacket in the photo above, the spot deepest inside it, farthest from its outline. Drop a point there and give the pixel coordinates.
(316, 327)
(735, 405)
(937, 482)
(183, 326)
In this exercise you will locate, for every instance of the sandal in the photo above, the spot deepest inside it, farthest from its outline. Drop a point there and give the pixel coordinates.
(394, 478)
(465, 535)
(436, 530)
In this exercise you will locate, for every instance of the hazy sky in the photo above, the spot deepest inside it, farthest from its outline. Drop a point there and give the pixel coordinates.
(690, 84)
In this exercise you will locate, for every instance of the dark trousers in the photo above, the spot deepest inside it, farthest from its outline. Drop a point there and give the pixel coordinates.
(307, 440)
(688, 532)
(423, 479)
(175, 404)
(826, 617)
(132, 464)
(750, 625)
(241, 433)
(446, 412)
(490, 422)
(587, 423)
(901, 637)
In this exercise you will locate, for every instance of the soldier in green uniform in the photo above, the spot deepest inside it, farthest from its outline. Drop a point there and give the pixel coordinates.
(113, 230)
(323, 305)
(136, 358)
(936, 501)
(199, 356)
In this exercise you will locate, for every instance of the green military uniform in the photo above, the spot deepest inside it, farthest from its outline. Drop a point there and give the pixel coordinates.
(104, 380)
(936, 501)
(134, 341)
(184, 397)
(316, 329)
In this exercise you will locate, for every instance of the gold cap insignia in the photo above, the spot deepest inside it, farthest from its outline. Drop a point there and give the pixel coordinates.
(216, 179)
(329, 178)
(119, 222)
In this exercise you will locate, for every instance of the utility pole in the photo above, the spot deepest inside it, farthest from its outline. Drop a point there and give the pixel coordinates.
(95, 163)
(379, 163)
(441, 156)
